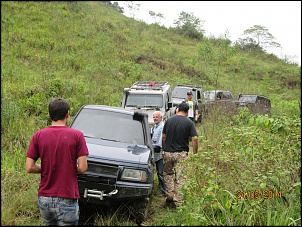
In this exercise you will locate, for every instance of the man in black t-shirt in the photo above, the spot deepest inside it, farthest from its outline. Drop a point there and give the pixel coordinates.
(177, 132)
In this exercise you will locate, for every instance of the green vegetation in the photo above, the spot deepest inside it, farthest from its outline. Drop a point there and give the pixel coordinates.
(87, 53)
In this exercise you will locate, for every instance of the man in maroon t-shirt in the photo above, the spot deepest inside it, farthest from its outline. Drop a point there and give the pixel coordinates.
(63, 154)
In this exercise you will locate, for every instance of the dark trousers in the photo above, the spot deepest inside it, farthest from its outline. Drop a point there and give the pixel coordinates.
(192, 119)
(160, 175)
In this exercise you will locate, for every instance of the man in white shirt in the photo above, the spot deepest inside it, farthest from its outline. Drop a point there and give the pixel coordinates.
(157, 144)
(193, 107)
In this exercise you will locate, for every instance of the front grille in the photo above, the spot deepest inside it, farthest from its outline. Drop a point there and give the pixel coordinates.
(104, 170)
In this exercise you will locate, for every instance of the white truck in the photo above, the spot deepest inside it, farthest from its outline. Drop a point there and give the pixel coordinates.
(149, 96)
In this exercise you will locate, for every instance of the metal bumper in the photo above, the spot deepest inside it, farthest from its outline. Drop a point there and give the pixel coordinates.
(98, 194)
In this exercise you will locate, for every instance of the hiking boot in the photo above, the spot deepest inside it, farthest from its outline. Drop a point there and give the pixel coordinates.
(169, 199)
(170, 202)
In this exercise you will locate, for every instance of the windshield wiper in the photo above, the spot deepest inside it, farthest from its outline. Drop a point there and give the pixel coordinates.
(152, 107)
(177, 97)
(110, 140)
(89, 136)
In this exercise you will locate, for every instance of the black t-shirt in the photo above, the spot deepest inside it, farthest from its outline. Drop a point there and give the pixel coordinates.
(178, 130)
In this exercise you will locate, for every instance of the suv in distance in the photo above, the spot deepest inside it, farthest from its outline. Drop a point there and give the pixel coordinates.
(148, 96)
(120, 160)
(218, 98)
(255, 103)
(179, 94)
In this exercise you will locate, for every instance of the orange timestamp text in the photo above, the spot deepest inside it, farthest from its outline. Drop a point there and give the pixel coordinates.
(258, 194)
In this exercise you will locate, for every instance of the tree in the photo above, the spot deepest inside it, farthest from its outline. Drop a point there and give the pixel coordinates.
(258, 37)
(115, 6)
(118, 8)
(155, 16)
(189, 25)
(132, 7)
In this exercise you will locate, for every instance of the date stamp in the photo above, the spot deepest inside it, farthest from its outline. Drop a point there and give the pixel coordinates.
(258, 194)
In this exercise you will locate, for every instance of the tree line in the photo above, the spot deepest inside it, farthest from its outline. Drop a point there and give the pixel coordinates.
(256, 38)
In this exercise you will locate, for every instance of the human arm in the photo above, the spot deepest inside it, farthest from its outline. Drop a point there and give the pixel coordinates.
(82, 164)
(194, 138)
(195, 144)
(163, 140)
(196, 115)
(157, 139)
(196, 111)
(31, 166)
(157, 135)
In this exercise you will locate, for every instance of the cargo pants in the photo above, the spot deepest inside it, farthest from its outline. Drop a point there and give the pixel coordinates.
(173, 174)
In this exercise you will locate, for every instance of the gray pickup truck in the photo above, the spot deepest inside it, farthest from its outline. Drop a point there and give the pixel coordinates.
(224, 101)
(179, 94)
(218, 100)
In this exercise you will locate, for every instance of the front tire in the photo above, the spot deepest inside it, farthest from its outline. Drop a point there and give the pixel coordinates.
(140, 209)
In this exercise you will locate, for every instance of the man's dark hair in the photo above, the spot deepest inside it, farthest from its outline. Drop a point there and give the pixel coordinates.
(58, 108)
(184, 107)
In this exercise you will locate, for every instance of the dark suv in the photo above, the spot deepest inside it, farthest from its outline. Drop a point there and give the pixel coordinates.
(120, 161)
(255, 103)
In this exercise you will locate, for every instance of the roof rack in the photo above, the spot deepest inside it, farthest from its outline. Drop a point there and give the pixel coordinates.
(152, 85)
(189, 85)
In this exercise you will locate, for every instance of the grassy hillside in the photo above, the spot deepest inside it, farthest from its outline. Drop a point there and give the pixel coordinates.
(87, 53)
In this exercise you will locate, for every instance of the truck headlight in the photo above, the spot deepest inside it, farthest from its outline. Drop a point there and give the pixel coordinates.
(134, 175)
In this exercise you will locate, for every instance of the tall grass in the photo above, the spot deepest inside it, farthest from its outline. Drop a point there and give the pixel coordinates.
(256, 155)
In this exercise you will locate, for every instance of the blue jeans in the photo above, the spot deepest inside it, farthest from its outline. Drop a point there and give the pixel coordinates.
(160, 175)
(59, 211)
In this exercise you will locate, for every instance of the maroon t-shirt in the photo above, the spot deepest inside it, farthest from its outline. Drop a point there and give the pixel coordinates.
(58, 147)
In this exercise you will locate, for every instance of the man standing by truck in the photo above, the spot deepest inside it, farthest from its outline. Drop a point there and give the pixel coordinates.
(63, 154)
(178, 131)
(193, 107)
(158, 153)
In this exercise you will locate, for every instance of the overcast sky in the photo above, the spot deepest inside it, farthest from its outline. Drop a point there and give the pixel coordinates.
(281, 18)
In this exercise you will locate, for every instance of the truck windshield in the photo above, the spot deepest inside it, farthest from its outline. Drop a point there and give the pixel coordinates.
(246, 98)
(210, 95)
(181, 92)
(144, 100)
(108, 125)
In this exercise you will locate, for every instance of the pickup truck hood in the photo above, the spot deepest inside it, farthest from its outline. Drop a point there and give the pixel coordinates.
(110, 151)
